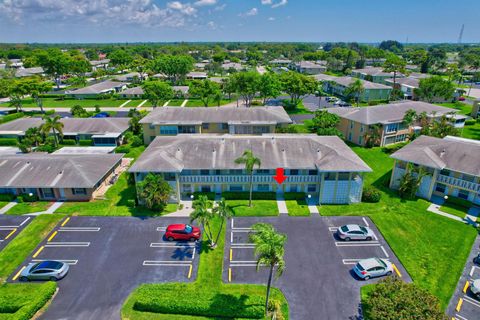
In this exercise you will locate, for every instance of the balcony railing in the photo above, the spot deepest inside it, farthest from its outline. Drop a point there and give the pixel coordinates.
(246, 179)
(472, 186)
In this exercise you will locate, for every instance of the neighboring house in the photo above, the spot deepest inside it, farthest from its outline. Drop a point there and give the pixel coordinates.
(28, 72)
(200, 65)
(99, 64)
(374, 74)
(451, 163)
(407, 85)
(98, 89)
(321, 166)
(309, 67)
(281, 62)
(181, 91)
(233, 120)
(57, 177)
(132, 76)
(372, 91)
(374, 62)
(355, 123)
(476, 109)
(132, 93)
(194, 75)
(232, 65)
(102, 131)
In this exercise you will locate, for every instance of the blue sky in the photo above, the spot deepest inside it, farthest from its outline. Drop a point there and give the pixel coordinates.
(238, 20)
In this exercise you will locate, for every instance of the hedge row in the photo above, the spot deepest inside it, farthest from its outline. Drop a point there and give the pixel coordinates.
(18, 307)
(6, 197)
(154, 298)
(230, 195)
(294, 196)
(10, 142)
(10, 117)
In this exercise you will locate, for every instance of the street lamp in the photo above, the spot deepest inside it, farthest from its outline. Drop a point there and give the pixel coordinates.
(191, 196)
(446, 198)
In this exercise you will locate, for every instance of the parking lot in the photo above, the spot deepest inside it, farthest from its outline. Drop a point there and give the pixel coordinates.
(464, 305)
(109, 257)
(10, 227)
(318, 281)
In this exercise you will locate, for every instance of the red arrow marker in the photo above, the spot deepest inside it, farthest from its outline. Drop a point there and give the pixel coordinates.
(280, 177)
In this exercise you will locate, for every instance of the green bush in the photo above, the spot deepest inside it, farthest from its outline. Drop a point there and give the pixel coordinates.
(85, 143)
(459, 202)
(229, 195)
(136, 141)
(42, 296)
(69, 142)
(131, 203)
(8, 142)
(371, 194)
(6, 197)
(295, 196)
(153, 298)
(209, 195)
(29, 198)
(470, 122)
(11, 117)
(123, 149)
(45, 148)
(394, 147)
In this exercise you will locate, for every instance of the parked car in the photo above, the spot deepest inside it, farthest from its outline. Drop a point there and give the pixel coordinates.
(354, 232)
(476, 259)
(462, 98)
(475, 288)
(183, 232)
(46, 270)
(331, 99)
(101, 115)
(373, 267)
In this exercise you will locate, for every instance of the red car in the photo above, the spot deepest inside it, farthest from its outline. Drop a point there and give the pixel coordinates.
(182, 232)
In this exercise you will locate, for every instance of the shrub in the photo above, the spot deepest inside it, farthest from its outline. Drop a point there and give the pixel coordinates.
(8, 142)
(136, 141)
(459, 202)
(29, 198)
(394, 147)
(246, 195)
(131, 203)
(10, 117)
(85, 143)
(45, 148)
(43, 295)
(371, 194)
(6, 197)
(470, 122)
(209, 195)
(69, 142)
(123, 149)
(295, 196)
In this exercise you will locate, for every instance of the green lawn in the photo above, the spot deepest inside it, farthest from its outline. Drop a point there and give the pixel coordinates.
(68, 103)
(464, 108)
(29, 207)
(119, 202)
(175, 102)
(300, 109)
(3, 204)
(297, 207)
(199, 103)
(258, 208)
(455, 209)
(472, 132)
(418, 238)
(206, 298)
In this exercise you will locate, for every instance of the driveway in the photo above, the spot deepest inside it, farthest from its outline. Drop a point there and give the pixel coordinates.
(109, 257)
(318, 282)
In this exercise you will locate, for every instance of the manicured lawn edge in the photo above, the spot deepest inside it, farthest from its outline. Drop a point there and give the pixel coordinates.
(262, 208)
(192, 295)
(454, 209)
(29, 207)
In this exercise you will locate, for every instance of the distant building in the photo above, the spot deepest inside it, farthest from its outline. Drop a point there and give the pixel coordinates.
(338, 85)
(194, 75)
(131, 77)
(476, 109)
(132, 93)
(374, 74)
(99, 64)
(322, 166)
(355, 123)
(309, 67)
(28, 72)
(451, 164)
(233, 120)
(98, 89)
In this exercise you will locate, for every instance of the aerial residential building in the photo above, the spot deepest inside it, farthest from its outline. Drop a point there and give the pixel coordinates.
(280, 62)
(451, 164)
(102, 131)
(195, 75)
(233, 120)
(374, 74)
(338, 85)
(233, 65)
(321, 166)
(99, 64)
(309, 67)
(356, 122)
(407, 85)
(97, 90)
(132, 93)
(58, 177)
(132, 76)
(28, 72)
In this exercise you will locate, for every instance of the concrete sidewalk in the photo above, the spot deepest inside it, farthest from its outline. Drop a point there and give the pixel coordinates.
(7, 207)
(50, 209)
(282, 205)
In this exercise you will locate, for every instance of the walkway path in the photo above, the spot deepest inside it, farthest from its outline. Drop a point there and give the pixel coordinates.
(184, 103)
(435, 208)
(184, 212)
(312, 206)
(124, 104)
(7, 207)
(470, 217)
(142, 103)
(50, 210)
(282, 205)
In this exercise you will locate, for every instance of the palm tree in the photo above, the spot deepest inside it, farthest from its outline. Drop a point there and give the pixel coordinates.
(203, 214)
(225, 212)
(410, 117)
(34, 135)
(249, 159)
(269, 251)
(373, 135)
(355, 89)
(154, 191)
(54, 125)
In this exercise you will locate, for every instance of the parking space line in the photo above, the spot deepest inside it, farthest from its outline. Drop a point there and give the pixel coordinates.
(332, 229)
(161, 228)
(471, 301)
(465, 287)
(69, 262)
(65, 222)
(24, 221)
(366, 222)
(384, 251)
(18, 273)
(472, 270)
(396, 270)
(190, 271)
(79, 229)
(244, 261)
(230, 274)
(459, 305)
(171, 245)
(460, 317)
(38, 252)
(375, 236)
(243, 245)
(231, 254)
(52, 236)
(350, 261)
(10, 234)
(6, 228)
(67, 244)
(357, 244)
(166, 263)
(245, 265)
(235, 228)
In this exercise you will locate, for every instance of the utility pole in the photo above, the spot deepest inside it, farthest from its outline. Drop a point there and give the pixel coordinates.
(460, 36)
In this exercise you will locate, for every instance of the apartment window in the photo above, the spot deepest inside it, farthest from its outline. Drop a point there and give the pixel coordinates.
(440, 188)
(187, 188)
(393, 127)
(468, 177)
(351, 124)
(312, 172)
(294, 172)
(344, 176)
(263, 171)
(79, 191)
(400, 138)
(445, 172)
(224, 126)
(205, 189)
(463, 194)
(186, 129)
(360, 140)
(235, 171)
(205, 126)
(151, 126)
(330, 176)
(168, 130)
(169, 176)
(350, 136)
(204, 172)
(263, 187)
(361, 128)
(312, 188)
(236, 187)
(293, 188)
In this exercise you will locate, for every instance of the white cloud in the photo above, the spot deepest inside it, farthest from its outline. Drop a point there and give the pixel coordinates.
(266, 2)
(220, 7)
(274, 3)
(212, 25)
(249, 13)
(185, 8)
(271, 19)
(201, 3)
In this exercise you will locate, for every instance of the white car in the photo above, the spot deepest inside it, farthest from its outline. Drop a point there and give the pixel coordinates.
(354, 232)
(373, 267)
(475, 288)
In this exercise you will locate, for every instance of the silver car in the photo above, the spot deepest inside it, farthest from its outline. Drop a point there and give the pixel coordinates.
(45, 270)
(354, 232)
(373, 267)
(475, 288)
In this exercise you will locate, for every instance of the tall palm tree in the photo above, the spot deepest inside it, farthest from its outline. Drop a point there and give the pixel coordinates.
(269, 251)
(249, 160)
(373, 135)
(53, 125)
(154, 191)
(355, 89)
(202, 214)
(410, 117)
(225, 212)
